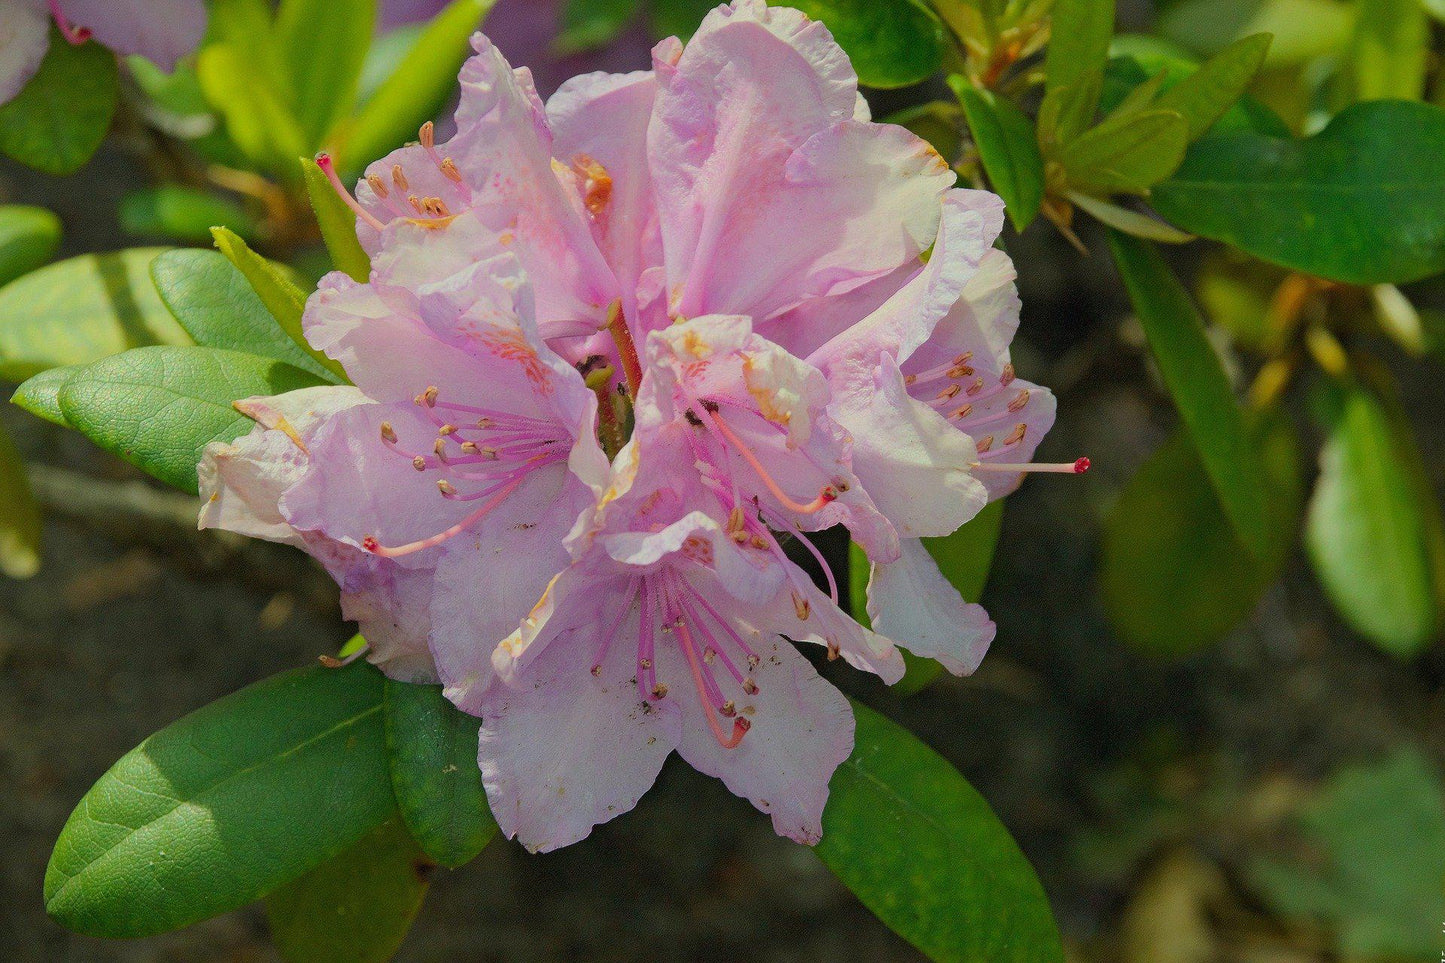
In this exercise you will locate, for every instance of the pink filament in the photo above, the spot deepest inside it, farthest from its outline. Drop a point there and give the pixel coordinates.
(375, 548)
(328, 167)
(73, 35)
(825, 497)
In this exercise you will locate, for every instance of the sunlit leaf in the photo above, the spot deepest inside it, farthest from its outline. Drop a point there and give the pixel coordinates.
(223, 806)
(338, 224)
(1206, 94)
(1009, 148)
(892, 43)
(922, 850)
(1128, 154)
(56, 123)
(1390, 49)
(323, 45)
(28, 238)
(1130, 222)
(40, 394)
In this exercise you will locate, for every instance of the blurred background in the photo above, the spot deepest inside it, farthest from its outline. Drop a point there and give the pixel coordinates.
(1202, 765)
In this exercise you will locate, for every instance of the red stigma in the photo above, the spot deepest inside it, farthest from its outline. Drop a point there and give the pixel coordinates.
(370, 543)
(1081, 466)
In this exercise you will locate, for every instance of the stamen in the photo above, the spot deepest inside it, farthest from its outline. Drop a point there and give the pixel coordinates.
(450, 172)
(427, 135)
(828, 494)
(73, 35)
(328, 167)
(374, 547)
(378, 186)
(398, 177)
(740, 726)
(1077, 467)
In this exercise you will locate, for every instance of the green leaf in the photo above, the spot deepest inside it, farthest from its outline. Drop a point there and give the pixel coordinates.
(81, 310)
(1206, 94)
(1302, 29)
(963, 557)
(1130, 222)
(387, 52)
(218, 307)
(1078, 42)
(280, 295)
(223, 806)
(182, 213)
(55, 124)
(19, 515)
(323, 45)
(892, 43)
(1174, 577)
(338, 224)
(589, 24)
(1365, 530)
(356, 907)
(1125, 73)
(1369, 860)
(1126, 153)
(677, 18)
(1008, 147)
(28, 238)
(1358, 202)
(40, 394)
(159, 407)
(922, 850)
(416, 91)
(433, 747)
(1198, 384)
(1068, 110)
(1390, 49)
(940, 122)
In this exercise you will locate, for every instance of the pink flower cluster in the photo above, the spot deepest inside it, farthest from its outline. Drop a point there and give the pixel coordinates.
(616, 353)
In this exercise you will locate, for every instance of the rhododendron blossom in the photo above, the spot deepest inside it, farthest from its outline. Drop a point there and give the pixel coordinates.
(162, 31)
(618, 355)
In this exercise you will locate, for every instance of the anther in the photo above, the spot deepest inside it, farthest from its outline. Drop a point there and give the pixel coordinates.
(427, 135)
(419, 463)
(1017, 435)
(728, 708)
(388, 434)
(976, 387)
(470, 448)
(962, 371)
(1007, 374)
(709, 655)
(398, 177)
(985, 443)
(328, 167)
(450, 172)
(758, 541)
(440, 448)
(446, 429)
(961, 412)
(801, 607)
(834, 650)
(427, 398)
(659, 691)
(749, 686)
(446, 487)
(597, 670)
(645, 663)
(740, 537)
(1019, 400)
(950, 392)
(754, 660)
(378, 186)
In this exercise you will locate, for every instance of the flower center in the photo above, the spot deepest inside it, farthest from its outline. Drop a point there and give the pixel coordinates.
(480, 454)
(398, 197)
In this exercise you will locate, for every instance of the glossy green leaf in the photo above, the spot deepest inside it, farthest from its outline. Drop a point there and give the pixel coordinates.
(1126, 153)
(923, 850)
(356, 907)
(181, 213)
(159, 407)
(416, 91)
(892, 43)
(1368, 861)
(58, 120)
(19, 515)
(218, 308)
(963, 557)
(1390, 49)
(1358, 202)
(223, 806)
(40, 394)
(1206, 94)
(1078, 41)
(1174, 577)
(589, 24)
(434, 772)
(323, 45)
(338, 224)
(1008, 147)
(277, 291)
(1365, 530)
(81, 310)
(1197, 382)
(28, 238)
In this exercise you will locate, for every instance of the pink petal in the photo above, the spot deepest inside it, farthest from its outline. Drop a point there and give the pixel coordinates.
(24, 39)
(162, 31)
(911, 602)
(565, 750)
(802, 728)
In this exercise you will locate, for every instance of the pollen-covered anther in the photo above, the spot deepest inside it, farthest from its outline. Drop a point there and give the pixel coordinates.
(470, 448)
(742, 725)
(1019, 400)
(728, 708)
(427, 135)
(749, 686)
(985, 443)
(963, 412)
(833, 650)
(446, 487)
(378, 186)
(446, 429)
(398, 177)
(440, 448)
(427, 398)
(801, 607)
(645, 663)
(419, 463)
(659, 691)
(1017, 435)
(709, 655)
(976, 387)
(740, 538)
(758, 542)
(754, 661)
(950, 392)
(388, 433)
(1007, 375)
(960, 371)
(736, 519)
(596, 670)
(449, 171)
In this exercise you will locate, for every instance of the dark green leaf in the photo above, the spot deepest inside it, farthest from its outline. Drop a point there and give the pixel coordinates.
(356, 907)
(19, 515)
(1128, 153)
(40, 394)
(922, 850)
(1078, 41)
(677, 18)
(1009, 149)
(82, 310)
(28, 238)
(1358, 202)
(1068, 110)
(223, 806)
(159, 407)
(338, 224)
(1174, 577)
(56, 123)
(218, 307)
(1128, 221)
(1206, 94)
(589, 24)
(1366, 530)
(1390, 50)
(940, 122)
(416, 91)
(182, 213)
(1124, 73)
(323, 45)
(273, 284)
(434, 771)
(892, 43)
(1198, 384)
